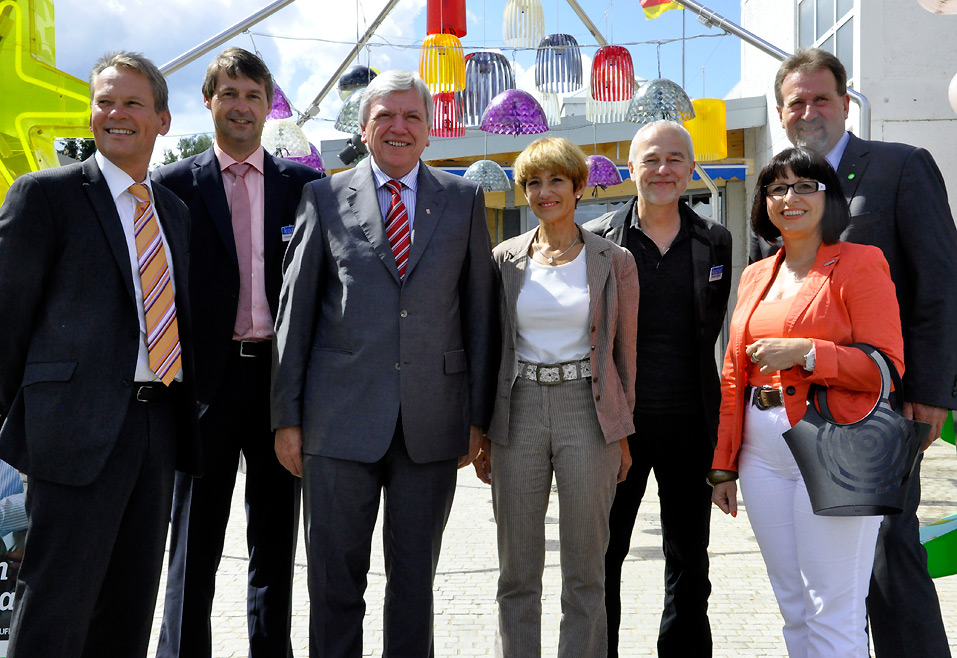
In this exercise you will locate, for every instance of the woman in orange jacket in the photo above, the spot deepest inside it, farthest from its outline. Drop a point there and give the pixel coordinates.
(795, 318)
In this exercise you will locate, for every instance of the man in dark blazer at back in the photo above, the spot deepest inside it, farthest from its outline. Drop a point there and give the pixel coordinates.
(385, 337)
(242, 203)
(95, 377)
(898, 202)
(684, 272)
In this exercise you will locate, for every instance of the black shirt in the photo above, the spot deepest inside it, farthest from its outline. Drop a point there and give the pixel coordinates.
(668, 380)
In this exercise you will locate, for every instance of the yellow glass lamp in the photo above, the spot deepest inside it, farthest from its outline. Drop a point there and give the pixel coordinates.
(39, 103)
(708, 129)
(442, 63)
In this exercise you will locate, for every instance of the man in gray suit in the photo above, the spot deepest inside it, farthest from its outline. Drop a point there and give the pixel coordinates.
(898, 202)
(385, 334)
(95, 380)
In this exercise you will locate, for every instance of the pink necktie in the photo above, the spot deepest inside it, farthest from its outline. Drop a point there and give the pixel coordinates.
(159, 306)
(397, 228)
(242, 235)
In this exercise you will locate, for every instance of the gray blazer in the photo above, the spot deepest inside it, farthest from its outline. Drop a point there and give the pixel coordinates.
(356, 343)
(613, 309)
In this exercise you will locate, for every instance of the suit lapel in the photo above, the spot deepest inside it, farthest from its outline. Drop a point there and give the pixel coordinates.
(852, 166)
(819, 274)
(701, 263)
(98, 192)
(275, 184)
(513, 276)
(364, 201)
(597, 268)
(209, 182)
(429, 204)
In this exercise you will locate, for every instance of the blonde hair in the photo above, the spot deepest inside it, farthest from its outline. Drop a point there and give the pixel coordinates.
(554, 154)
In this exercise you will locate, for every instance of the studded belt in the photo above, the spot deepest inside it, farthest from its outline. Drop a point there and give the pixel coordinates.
(549, 374)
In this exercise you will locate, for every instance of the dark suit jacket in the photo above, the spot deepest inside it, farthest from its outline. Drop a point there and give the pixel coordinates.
(69, 327)
(898, 202)
(214, 269)
(710, 248)
(356, 343)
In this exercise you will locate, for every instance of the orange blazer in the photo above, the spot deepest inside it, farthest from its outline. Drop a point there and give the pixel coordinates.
(847, 297)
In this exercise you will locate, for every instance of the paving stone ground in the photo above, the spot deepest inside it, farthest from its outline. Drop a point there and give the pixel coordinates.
(744, 616)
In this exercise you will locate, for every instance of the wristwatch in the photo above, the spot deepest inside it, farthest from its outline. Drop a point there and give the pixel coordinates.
(809, 359)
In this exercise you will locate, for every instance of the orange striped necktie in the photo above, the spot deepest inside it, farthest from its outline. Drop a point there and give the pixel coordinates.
(162, 330)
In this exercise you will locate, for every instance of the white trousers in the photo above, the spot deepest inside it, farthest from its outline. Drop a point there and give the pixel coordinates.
(819, 566)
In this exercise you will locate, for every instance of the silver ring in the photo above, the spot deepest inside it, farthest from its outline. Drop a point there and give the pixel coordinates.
(754, 359)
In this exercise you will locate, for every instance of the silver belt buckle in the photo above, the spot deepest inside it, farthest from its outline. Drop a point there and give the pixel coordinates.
(242, 349)
(549, 375)
(140, 389)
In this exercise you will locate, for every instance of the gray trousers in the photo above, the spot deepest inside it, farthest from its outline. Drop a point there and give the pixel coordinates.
(553, 429)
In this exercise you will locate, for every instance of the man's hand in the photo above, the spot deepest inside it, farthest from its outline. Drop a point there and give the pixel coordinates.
(483, 463)
(725, 496)
(936, 416)
(475, 444)
(289, 448)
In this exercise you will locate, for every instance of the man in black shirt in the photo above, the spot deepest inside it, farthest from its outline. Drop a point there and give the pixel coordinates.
(684, 270)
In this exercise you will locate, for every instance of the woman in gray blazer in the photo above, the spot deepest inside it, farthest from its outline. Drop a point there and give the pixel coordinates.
(568, 309)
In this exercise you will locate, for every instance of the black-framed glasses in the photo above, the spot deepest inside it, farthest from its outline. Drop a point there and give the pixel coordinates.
(800, 187)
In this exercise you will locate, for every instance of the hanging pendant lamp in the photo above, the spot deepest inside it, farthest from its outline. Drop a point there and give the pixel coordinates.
(708, 129)
(612, 85)
(355, 78)
(558, 64)
(487, 74)
(446, 116)
(314, 159)
(348, 119)
(523, 23)
(514, 112)
(602, 172)
(489, 174)
(280, 105)
(660, 99)
(442, 63)
(284, 139)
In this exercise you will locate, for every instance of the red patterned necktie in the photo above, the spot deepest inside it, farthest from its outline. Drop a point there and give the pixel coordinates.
(162, 330)
(397, 228)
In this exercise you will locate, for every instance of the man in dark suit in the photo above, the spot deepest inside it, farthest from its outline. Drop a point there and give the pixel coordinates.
(95, 384)
(898, 202)
(241, 223)
(684, 273)
(383, 380)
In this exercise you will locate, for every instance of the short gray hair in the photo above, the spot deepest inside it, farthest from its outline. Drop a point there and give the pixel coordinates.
(395, 80)
(134, 62)
(660, 124)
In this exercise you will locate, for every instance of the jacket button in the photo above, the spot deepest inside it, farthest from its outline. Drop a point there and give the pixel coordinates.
(398, 367)
(593, 348)
(594, 379)
(594, 328)
(597, 398)
(789, 390)
(403, 313)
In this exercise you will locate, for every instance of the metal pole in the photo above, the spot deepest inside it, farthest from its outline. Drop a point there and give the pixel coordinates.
(222, 37)
(713, 19)
(587, 21)
(715, 194)
(313, 108)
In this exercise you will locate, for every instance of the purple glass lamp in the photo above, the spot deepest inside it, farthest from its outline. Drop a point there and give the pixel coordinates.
(314, 159)
(280, 105)
(514, 112)
(602, 172)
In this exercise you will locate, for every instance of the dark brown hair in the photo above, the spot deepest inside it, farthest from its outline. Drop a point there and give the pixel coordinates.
(236, 62)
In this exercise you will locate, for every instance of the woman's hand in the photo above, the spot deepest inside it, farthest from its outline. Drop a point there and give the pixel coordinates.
(725, 496)
(483, 462)
(771, 354)
(625, 460)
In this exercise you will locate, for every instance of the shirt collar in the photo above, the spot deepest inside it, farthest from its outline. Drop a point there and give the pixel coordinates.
(256, 158)
(835, 154)
(118, 180)
(410, 180)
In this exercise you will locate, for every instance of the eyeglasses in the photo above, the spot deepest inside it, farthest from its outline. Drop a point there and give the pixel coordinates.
(800, 187)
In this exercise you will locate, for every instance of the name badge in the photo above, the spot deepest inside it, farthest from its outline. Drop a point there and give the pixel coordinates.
(716, 273)
(287, 233)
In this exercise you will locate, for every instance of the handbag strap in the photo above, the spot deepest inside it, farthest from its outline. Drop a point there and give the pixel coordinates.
(888, 375)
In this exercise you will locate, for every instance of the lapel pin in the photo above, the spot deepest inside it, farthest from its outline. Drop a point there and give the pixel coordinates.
(428, 211)
(850, 177)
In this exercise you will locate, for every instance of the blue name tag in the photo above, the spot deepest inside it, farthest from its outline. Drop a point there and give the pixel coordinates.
(716, 273)
(287, 233)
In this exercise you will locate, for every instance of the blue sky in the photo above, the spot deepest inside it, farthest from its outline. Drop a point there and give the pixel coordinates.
(304, 42)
